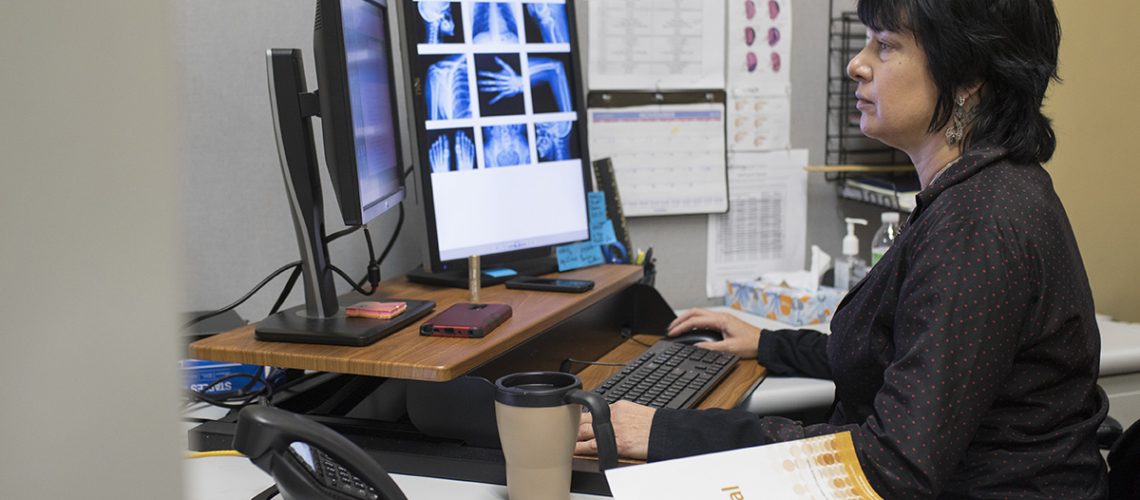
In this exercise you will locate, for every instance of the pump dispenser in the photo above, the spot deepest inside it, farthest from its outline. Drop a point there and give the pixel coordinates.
(849, 269)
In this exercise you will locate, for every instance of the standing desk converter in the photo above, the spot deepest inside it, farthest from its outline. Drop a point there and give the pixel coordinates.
(425, 405)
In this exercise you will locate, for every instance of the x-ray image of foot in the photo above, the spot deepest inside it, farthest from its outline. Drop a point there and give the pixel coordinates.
(494, 23)
(439, 156)
(448, 97)
(464, 151)
(500, 84)
(552, 140)
(546, 23)
(438, 22)
(549, 86)
(505, 146)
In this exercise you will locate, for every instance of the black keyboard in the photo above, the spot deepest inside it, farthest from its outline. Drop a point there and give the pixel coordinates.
(668, 375)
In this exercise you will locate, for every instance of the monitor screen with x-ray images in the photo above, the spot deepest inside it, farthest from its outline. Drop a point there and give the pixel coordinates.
(498, 117)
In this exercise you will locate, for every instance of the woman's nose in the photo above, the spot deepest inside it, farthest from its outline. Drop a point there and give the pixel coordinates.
(857, 70)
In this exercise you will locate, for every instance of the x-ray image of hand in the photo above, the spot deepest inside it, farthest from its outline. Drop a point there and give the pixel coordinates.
(440, 155)
(506, 81)
(551, 140)
(551, 20)
(505, 146)
(464, 151)
(447, 95)
(437, 20)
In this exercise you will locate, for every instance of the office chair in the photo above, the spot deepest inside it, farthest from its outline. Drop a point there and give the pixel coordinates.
(1123, 458)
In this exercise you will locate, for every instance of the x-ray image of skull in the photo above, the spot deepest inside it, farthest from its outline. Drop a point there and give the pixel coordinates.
(554, 141)
(439, 23)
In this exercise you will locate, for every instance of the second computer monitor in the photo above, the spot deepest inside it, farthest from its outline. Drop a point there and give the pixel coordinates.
(499, 125)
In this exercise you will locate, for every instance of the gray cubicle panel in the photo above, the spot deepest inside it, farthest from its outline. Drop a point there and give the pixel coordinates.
(237, 227)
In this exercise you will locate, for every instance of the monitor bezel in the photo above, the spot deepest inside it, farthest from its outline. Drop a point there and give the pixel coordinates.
(418, 136)
(336, 111)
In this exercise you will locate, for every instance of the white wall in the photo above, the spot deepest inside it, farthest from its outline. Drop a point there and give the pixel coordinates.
(88, 251)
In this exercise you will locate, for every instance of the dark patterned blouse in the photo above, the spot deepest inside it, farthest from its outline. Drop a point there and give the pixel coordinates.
(965, 363)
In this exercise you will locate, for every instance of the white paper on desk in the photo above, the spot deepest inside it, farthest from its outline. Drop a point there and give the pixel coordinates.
(656, 45)
(668, 159)
(818, 467)
(766, 224)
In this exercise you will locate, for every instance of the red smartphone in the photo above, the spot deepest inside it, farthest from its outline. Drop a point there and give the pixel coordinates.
(466, 320)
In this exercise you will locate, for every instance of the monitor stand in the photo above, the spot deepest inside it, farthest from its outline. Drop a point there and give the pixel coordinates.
(456, 276)
(294, 325)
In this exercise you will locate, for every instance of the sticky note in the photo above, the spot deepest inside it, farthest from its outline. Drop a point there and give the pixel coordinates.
(576, 255)
(596, 202)
(500, 272)
(602, 233)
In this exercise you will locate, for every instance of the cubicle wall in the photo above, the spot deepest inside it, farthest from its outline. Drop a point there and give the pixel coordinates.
(236, 218)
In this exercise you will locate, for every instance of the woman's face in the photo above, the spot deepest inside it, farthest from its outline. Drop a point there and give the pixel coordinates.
(896, 93)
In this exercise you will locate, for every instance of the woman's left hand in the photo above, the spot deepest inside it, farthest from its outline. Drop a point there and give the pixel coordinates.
(631, 430)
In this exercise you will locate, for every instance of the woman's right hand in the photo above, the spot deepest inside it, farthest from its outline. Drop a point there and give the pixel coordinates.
(740, 338)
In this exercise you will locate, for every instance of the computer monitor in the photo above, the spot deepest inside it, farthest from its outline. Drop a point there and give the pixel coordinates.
(499, 127)
(357, 106)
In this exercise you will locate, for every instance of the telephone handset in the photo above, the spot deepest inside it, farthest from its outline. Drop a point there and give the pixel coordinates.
(304, 458)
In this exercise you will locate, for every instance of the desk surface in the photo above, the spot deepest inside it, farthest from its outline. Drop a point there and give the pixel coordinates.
(408, 355)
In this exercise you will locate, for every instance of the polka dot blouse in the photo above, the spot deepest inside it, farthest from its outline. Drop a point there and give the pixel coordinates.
(965, 363)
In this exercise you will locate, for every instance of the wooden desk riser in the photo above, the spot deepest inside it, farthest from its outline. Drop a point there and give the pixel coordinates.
(408, 355)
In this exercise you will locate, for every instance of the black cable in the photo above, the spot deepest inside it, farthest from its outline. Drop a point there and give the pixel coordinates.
(225, 400)
(350, 282)
(238, 302)
(285, 291)
(387, 248)
(373, 275)
(343, 232)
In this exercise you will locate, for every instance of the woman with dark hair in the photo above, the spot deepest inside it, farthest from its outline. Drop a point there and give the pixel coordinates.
(965, 363)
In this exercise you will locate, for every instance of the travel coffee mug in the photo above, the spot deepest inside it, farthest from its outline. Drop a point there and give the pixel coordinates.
(538, 415)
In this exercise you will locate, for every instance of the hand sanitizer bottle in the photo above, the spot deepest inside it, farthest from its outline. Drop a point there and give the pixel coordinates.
(849, 266)
(885, 236)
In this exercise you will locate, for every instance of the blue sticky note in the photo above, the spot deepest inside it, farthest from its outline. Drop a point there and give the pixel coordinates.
(576, 255)
(596, 201)
(500, 272)
(602, 233)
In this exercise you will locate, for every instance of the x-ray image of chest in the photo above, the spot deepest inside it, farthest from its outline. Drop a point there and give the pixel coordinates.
(446, 91)
(494, 23)
(440, 22)
(500, 84)
(451, 150)
(556, 141)
(505, 146)
(546, 23)
(550, 84)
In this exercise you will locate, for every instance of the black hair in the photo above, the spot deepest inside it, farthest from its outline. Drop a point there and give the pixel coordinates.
(1009, 47)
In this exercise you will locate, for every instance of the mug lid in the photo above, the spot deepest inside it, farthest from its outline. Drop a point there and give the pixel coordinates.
(535, 389)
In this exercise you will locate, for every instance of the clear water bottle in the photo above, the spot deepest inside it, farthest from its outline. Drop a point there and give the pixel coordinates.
(885, 236)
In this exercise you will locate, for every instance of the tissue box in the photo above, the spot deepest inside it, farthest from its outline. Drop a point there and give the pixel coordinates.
(795, 306)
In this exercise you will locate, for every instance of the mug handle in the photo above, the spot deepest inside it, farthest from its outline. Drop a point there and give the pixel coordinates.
(603, 429)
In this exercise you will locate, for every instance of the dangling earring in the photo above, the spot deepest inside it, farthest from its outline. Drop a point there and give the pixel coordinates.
(955, 132)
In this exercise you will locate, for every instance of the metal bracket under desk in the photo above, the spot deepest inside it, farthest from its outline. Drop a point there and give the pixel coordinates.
(449, 428)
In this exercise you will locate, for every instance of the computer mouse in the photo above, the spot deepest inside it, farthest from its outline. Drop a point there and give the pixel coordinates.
(697, 336)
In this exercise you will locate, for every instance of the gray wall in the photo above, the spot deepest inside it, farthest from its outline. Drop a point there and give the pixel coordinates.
(89, 252)
(236, 218)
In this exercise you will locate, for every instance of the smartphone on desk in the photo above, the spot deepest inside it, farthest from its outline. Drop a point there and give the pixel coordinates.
(550, 284)
(466, 320)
